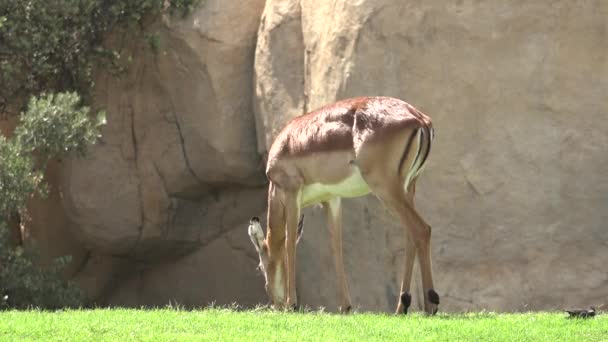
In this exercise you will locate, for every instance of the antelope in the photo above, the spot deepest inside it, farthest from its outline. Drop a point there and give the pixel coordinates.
(347, 149)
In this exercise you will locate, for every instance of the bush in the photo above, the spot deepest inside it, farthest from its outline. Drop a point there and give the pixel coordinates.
(53, 125)
(18, 179)
(24, 285)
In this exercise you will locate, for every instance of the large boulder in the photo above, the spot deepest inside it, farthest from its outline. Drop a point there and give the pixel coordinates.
(180, 127)
(515, 187)
(279, 70)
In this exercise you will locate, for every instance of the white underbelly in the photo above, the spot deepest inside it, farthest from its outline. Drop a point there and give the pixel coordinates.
(353, 186)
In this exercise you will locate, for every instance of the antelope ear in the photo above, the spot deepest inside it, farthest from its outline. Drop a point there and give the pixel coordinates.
(256, 234)
(300, 229)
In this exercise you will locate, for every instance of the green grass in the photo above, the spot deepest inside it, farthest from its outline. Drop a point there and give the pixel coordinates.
(264, 325)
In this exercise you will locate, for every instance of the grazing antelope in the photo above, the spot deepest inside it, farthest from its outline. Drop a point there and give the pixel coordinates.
(346, 149)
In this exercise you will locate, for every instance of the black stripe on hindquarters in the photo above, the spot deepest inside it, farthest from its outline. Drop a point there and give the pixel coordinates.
(406, 152)
(300, 228)
(428, 146)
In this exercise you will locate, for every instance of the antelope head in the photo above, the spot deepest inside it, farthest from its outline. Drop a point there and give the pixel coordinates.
(273, 263)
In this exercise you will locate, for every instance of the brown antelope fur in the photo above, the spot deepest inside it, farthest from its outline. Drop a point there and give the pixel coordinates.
(347, 149)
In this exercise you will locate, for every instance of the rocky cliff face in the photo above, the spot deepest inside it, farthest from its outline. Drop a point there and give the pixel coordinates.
(515, 188)
(177, 171)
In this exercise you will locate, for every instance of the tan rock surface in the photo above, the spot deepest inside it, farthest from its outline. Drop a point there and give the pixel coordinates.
(279, 70)
(222, 271)
(515, 188)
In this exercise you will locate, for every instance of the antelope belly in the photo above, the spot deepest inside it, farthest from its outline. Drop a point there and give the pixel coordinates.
(353, 186)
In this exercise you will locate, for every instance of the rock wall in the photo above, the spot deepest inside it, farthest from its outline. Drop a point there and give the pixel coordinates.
(515, 188)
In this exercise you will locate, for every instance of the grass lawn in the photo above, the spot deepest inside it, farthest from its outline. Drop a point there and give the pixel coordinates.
(264, 325)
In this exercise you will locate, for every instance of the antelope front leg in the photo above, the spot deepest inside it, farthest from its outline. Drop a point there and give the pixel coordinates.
(292, 211)
(333, 211)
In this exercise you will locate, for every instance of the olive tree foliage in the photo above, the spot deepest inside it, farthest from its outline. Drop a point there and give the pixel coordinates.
(18, 178)
(53, 45)
(52, 126)
(56, 123)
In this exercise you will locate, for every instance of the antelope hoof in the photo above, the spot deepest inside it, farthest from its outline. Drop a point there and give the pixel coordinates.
(345, 309)
(406, 301)
(292, 306)
(433, 301)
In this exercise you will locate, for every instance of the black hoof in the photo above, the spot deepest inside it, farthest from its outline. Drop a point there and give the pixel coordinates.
(406, 301)
(346, 310)
(433, 297)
